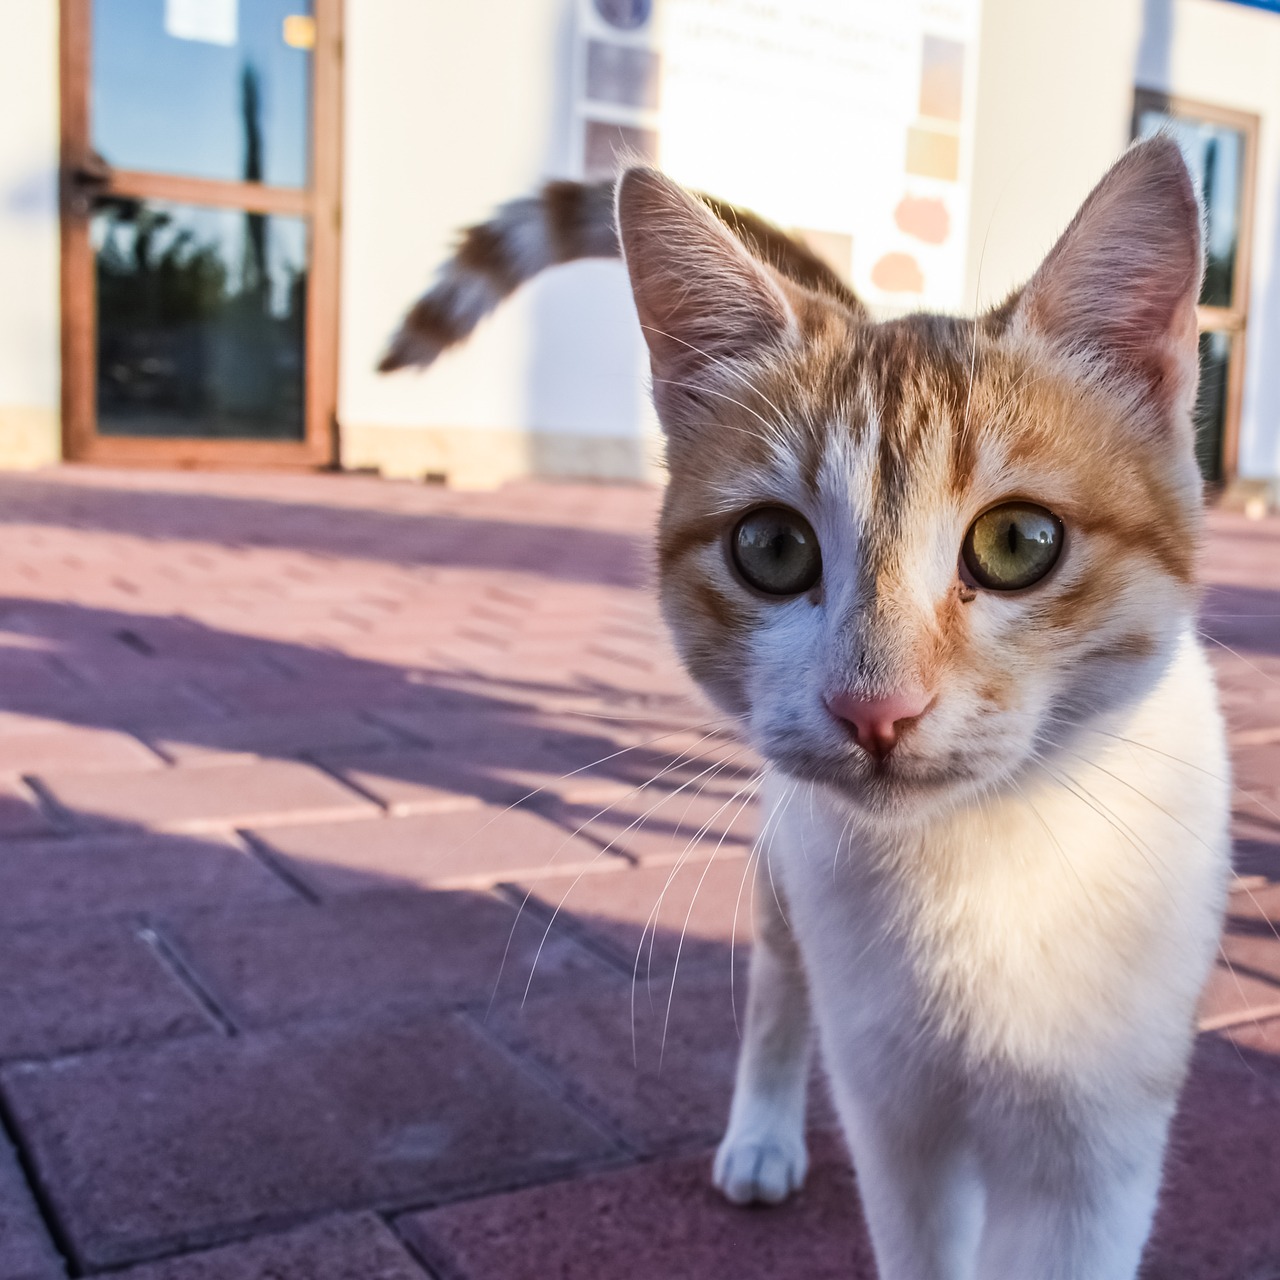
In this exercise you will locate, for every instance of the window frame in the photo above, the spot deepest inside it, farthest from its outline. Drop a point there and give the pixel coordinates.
(319, 202)
(1234, 319)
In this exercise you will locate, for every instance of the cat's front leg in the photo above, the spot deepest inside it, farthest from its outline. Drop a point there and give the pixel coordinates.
(762, 1157)
(1075, 1205)
(919, 1183)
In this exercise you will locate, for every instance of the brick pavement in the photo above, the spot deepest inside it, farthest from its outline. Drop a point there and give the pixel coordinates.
(287, 992)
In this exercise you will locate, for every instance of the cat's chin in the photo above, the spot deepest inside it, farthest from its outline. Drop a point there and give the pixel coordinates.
(885, 793)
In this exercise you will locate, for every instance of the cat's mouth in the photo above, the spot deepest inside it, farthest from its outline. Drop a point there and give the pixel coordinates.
(875, 784)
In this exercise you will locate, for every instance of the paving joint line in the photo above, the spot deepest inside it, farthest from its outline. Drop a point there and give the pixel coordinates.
(59, 817)
(552, 1083)
(467, 1193)
(176, 965)
(262, 852)
(384, 809)
(432, 1262)
(150, 747)
(144, 1041)
(40, 1194)
(529, 902)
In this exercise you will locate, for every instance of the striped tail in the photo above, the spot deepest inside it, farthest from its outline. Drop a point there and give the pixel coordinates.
(564, 222)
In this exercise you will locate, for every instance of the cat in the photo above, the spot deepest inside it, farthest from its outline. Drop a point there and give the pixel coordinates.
(942, 572)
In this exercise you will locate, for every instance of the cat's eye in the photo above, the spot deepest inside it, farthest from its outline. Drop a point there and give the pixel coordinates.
(1012, 546)
(776, 551)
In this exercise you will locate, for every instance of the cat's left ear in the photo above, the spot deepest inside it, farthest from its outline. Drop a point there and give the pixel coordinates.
(704, 301)
(1121, 284)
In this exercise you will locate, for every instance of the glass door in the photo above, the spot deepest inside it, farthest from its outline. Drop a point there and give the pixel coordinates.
(1219, 147)
(200, 230)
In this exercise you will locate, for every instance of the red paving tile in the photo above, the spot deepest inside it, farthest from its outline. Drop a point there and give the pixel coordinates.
(272, 963)
(662, 826)
(658, 1065)
(68, 989)
(1236, 994)
(1256, 766)
(241, 738)
(100, 875)
(504, 756)
(1245, 985)
(1260, 1035)
(468, 847)
(207, 1140)
(650, 917)
(423, 780)
(183, 654)
(195, 799)
(132, 710)
(66, 749)
(661, 1219)
(347, 1247)
(1217, 1218)
(1257, 843)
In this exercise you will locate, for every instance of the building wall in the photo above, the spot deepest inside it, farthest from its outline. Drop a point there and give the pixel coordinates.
(29, 313)
(451, 109)
(551, 383)
(1055, 102)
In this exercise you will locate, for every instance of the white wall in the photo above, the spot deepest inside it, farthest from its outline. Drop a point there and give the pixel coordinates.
(1055, 95)
(451, 109)
(29, 310)
(1055, 102)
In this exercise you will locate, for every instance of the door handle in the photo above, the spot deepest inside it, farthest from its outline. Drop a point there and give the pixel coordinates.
(90, 177)
(86, 181)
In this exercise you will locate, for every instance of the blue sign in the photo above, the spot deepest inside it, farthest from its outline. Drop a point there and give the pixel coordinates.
(1271, 6)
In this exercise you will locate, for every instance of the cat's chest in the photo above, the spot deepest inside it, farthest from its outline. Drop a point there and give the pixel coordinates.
(997, 935)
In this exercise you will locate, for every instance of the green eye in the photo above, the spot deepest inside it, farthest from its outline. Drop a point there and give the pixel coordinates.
(1012, 545)
(776, 551)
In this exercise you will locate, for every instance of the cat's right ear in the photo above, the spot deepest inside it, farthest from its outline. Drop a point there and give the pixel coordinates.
(703, 300)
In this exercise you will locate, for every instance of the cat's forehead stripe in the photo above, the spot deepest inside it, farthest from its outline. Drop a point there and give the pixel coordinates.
(908, 382)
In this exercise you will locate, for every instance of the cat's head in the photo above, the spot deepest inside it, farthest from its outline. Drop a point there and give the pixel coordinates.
(909, 556)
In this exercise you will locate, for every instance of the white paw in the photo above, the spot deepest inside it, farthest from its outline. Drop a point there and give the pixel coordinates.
(761, 1168)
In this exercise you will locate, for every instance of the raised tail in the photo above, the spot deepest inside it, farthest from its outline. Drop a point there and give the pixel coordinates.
(564, 222)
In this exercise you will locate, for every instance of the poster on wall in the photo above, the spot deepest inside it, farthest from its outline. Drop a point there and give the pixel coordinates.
(848, 121)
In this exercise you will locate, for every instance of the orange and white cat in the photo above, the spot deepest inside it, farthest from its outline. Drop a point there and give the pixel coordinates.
(942, 572)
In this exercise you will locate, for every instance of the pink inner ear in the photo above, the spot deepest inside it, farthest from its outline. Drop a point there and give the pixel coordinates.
(701, 297)
(1124, 279)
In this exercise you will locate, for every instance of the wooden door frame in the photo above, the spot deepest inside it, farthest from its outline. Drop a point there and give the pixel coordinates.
(1235, 318)
(320, 203)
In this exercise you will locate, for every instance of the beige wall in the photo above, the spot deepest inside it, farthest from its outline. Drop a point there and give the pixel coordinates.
(29, 325)
(451, 109)
(1055, 100)
(562, 363)
(1055, 93)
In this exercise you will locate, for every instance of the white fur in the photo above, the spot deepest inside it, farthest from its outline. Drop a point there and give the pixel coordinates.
(1004, 994)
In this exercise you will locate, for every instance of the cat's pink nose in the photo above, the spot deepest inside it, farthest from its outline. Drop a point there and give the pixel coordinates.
(878, 722)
